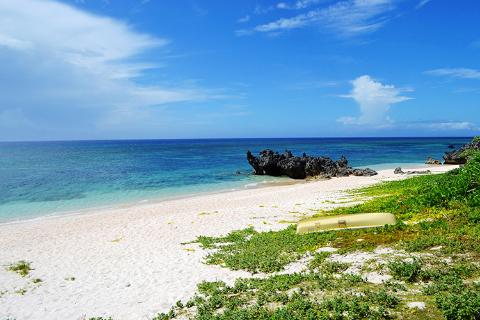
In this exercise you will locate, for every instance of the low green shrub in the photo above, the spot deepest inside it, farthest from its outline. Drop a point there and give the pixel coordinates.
(406, 270)
(463, 305)
(21, 267)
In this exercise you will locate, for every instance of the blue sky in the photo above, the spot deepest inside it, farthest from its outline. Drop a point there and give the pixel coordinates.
(98, 69)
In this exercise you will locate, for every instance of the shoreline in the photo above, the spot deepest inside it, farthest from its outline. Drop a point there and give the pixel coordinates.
(258, 185)
(152, 201)
(133, 262)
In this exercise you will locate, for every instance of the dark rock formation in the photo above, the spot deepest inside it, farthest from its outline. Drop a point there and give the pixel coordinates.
(399, 170)
(430, 160)
(274, 164)
(362, 172)
(454, 157)
(458, 156)
(451, 146)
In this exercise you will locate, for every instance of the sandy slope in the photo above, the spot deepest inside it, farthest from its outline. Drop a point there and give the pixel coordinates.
(129, 263)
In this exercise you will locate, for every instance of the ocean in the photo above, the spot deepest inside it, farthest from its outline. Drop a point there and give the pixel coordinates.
(48, 178)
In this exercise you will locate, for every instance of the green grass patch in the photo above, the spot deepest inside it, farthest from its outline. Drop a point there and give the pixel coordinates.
(21, 267)
(430, 196)
(464, 305)
(272, 251)
(296, 296)
(406, 270)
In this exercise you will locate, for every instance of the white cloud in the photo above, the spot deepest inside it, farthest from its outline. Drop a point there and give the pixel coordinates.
(300, 4)
(345, 18)
(422, 3)
(65, 69)
(259, 9)
(374, 100)
(244, 19)
(464, 73)
(452, 125)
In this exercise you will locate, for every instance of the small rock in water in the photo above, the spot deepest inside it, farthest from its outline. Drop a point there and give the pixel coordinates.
(416, 304)
(430, 160)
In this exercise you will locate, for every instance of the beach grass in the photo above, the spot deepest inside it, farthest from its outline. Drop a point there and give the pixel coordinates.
(21, 267)
(434, 260)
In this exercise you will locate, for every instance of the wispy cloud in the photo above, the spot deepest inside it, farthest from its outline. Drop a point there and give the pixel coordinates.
(422, 3)
(344, 19)
(464, 73)
(314, 85)
(300, 4)
(80, 70)
(244, 19)
(452, 125)
(260, 9)
(437, 125)
(374, 100)
(199, 11)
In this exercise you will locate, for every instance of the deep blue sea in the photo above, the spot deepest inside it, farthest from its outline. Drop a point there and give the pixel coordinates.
(45, 178)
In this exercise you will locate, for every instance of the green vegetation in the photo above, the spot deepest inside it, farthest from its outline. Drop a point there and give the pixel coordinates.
(21, 291)
(326, 292)
(21, 267)
(287, 297)
(460, 305)
(405, 270)
(432, 196)
(272, 251)
(433, 258)
(260, 252)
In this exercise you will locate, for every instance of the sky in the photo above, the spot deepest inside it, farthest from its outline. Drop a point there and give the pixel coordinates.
(155, 69)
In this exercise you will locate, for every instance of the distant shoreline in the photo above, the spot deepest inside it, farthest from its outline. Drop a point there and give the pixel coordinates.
(264, 184)
(276, 181)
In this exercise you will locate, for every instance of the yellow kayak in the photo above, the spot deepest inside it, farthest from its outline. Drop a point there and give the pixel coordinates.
(348, 221)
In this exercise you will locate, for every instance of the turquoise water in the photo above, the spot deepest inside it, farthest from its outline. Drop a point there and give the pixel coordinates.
(44, 178)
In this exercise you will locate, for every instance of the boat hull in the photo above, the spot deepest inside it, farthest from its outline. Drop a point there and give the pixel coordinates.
(349, 221)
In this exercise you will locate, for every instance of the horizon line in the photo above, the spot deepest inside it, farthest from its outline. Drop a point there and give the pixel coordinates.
(237, 138)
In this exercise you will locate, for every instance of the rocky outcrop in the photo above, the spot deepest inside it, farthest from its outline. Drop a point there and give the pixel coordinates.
(274, 164)
(399, 170)
(454, 157)
(459, 156)
(430, 160)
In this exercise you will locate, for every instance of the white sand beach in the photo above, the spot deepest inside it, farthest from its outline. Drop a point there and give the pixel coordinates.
(130, 263)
